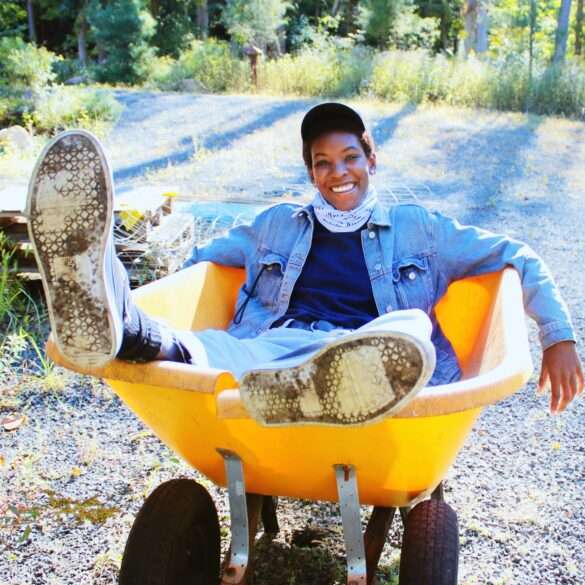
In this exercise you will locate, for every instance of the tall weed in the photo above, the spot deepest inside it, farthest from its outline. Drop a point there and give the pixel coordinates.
(317, 70)
(210, 63)
(66, 107)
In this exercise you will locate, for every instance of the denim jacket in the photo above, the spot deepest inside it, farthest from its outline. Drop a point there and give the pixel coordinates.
(412, 255)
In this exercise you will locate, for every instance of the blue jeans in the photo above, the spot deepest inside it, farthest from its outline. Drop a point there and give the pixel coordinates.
(290, 344)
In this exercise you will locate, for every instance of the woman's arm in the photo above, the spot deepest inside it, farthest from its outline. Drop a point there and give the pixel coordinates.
(467, 251)
(233, 248)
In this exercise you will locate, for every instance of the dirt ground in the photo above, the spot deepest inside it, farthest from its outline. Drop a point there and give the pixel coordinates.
(518, 483)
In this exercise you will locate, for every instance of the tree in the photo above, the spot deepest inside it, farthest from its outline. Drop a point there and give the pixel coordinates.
(476, 26)
(562, 32)
(121, 29)
(13, 19)
(579, 28)
(255, 21)
(174, 25)
(202, 18)
(378, 19)
(32, 31)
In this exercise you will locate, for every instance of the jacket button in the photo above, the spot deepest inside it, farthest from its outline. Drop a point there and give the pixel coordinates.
(412, 275)
(378, 267)
(372, 235)
(389, 309)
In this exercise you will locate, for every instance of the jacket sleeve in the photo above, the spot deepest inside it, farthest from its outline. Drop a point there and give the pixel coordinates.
(235, 247)
(468, 251)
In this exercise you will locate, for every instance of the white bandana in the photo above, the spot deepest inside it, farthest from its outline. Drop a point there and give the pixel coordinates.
(344, 221)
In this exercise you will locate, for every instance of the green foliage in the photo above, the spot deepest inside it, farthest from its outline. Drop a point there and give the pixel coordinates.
(419, 77)
(12, 18)
(510, 28)
(26, 66)
(174, 26)
(71, 107)
(411, 31)
(122, 30)
(210, 63)
(254, 21)
(378, 18)
(317, 71)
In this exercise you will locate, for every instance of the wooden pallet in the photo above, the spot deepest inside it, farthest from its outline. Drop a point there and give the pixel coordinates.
(150, 240)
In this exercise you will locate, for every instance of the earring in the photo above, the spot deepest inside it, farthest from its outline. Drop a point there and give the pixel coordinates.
(372, 171)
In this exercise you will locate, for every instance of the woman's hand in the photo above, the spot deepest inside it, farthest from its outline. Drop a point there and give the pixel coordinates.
(562, 367)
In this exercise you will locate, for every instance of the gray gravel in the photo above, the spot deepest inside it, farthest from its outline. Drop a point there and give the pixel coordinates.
(517, 485)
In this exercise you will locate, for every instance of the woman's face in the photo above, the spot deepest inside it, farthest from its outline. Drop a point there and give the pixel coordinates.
(340, 169)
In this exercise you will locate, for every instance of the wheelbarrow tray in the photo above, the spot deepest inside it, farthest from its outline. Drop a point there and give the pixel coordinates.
(197, 411)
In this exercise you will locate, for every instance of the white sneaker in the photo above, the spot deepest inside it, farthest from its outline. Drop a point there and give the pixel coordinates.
(70, 211)
(360, 378)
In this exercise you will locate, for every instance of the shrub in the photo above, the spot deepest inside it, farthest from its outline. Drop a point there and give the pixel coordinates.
(418, 77)
(324, 70)
(122, 29)
(211, 63)
(25, 65)
(67, 107)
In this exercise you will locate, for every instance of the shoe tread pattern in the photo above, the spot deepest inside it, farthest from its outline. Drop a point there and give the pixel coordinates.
(351, 383)
(68, 219)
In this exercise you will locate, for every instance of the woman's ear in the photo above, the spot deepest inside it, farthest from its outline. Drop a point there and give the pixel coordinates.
(311, 176)
(372, 163)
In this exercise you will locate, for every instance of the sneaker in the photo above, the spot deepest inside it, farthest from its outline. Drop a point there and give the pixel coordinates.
(70, 212)
(358, 379)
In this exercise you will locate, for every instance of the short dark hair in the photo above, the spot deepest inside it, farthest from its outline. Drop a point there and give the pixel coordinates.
(365, 139)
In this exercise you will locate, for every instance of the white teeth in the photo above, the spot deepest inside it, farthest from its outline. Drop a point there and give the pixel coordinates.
(343, 188)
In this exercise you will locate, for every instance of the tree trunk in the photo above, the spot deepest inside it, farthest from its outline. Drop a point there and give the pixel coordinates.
(336, 7)
(470, 25)
(202, 18)
(475, 21)
(32, 31)
(82, 43)
(579, 28)
(482, 28)
(81, 26)
(562, 32)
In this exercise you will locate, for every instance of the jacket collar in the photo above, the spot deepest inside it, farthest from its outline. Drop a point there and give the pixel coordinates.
(379, 217)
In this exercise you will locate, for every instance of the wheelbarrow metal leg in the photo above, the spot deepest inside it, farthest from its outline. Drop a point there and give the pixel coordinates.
(352, 528)
(375, 538)
(245, 513)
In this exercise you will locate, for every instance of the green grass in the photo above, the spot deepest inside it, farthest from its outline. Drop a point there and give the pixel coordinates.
(331, 70)
(23, 321)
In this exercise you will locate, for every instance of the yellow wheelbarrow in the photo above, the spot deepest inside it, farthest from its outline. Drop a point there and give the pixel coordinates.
(396, 463)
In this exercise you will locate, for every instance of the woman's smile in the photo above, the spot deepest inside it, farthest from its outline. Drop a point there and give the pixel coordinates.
(340, 169)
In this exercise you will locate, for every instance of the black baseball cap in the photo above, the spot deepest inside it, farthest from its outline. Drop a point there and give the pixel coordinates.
(328, 117)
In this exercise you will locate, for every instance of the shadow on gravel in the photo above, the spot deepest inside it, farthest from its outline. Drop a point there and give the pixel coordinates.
(487, 161)
(276, 563)
(142, 106)
(384, 128)
(273, 115)
(176, 158)
(187, 147)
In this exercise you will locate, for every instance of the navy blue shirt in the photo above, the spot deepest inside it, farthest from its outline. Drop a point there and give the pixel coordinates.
(334, 284)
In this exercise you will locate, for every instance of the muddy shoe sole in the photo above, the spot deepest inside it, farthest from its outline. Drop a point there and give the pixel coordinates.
(69, 207)
(359, 379)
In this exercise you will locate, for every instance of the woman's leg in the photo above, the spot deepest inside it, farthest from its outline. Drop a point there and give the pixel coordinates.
(70, 210)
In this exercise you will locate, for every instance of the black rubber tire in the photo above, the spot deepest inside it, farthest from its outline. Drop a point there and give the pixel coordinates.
(175, 538)
(430, 546)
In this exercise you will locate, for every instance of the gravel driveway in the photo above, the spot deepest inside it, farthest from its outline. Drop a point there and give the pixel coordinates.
(75, 474)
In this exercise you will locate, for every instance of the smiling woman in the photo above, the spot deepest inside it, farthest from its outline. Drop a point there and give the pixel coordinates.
(335, 323)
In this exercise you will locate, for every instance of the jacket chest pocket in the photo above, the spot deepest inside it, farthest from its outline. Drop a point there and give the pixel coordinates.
(270, 277)
(412, 281)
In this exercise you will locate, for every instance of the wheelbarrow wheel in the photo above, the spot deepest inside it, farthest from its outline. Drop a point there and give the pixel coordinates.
(430, 546)
(175, 538)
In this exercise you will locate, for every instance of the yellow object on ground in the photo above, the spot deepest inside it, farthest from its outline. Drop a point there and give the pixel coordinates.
(197, 411)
